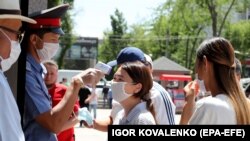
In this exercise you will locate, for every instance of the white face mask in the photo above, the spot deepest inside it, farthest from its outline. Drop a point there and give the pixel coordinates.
(118, 91)
(14, 54)
(48, 51)
(200, 83)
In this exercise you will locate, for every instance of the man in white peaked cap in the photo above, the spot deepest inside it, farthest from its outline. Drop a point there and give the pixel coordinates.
(10, 38)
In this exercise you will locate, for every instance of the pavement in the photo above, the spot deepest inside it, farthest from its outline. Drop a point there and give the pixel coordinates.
(88, 134)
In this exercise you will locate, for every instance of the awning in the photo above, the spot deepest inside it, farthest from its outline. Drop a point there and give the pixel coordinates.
(175, 77)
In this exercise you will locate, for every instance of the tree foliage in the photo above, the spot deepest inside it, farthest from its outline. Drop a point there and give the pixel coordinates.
(176, 29)
(67, 26)
(114, 40)
(191, 22)
(238, 33)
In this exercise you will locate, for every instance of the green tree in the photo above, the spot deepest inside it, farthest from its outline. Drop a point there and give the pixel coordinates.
(67, 26)
(184, 24)
(219, 11)
(176, 29)
(138, 37)
(161, 32)
(114, 40)
(239, 35)
(177, 32)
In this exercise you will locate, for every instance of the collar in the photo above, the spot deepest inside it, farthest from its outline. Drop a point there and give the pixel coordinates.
(34, 64)
(52, 86)
(1, 59)
(137, 109)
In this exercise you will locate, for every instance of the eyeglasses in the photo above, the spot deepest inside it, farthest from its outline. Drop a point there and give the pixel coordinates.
(19, 34)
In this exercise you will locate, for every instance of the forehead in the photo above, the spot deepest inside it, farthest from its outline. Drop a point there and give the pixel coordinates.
(118, 72)
(11, 23)
(51, 35)
(50, 67)
(122, 74)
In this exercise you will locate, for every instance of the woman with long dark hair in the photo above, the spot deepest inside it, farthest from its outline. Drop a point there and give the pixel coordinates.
(215, 68)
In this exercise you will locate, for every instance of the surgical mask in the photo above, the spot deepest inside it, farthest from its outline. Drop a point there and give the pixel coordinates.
(48, 51)
(14, 54)
(118, 91)
(200, 83)
(84, 114)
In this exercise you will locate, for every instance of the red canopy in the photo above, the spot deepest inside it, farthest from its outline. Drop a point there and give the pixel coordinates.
(175, 77)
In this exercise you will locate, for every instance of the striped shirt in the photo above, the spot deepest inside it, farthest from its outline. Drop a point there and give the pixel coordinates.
(163, 105)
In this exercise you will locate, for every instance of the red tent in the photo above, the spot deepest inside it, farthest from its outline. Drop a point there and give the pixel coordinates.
(175, 77)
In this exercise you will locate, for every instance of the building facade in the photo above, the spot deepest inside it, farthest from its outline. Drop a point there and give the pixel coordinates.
(82, 55)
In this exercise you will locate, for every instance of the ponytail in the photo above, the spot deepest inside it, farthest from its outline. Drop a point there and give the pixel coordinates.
(149, 105)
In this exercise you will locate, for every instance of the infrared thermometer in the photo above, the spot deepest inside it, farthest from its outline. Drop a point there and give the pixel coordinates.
(103, 67)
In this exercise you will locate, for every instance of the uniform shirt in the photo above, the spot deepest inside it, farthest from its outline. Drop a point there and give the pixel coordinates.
(57, 92)
(10, 120)
(162, 102)
(37, 101)
(139, 115)
(214, 110)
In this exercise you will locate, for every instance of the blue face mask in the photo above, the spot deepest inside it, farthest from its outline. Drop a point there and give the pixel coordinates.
(200, 83)
(84, 114)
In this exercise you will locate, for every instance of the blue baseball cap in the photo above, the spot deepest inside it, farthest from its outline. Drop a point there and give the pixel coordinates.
(128, 54)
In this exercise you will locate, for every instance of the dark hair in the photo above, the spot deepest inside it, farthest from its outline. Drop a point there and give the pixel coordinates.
(28, 32)
(140, 73)
(238, 67)
(39, 32)
(220, 52)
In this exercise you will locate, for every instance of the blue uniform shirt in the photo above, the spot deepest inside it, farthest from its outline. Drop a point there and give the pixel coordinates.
(37, 101)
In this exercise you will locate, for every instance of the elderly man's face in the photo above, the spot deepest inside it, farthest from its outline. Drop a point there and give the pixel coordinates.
(8, 32)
